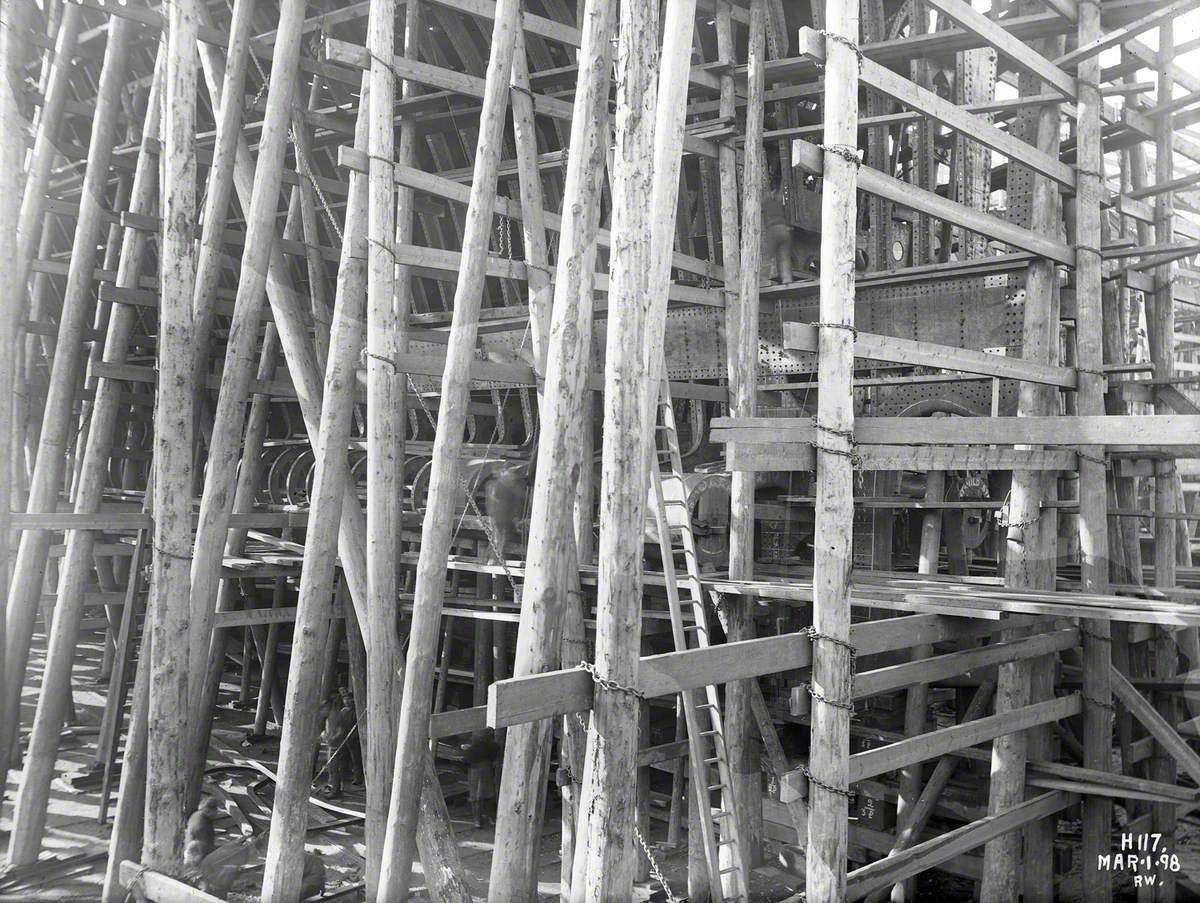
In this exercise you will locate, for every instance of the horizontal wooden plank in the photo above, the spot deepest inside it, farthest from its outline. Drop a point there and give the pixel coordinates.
(1126, 430)
(768, 456)
(457, 721)
(805, 337)
(899, 755)
(523, 375)
(523, 699)
(809, 157)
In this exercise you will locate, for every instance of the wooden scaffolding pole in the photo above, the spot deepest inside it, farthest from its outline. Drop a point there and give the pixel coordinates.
(1032, 529)
(76, 565)
(603, 867)
(13, 16)
(50, 119)
(246, 485)
(240, 351)
(1161, 328)
(30, 566)
(30, 811)
(1093, 479)
(444, 869)
(566, 353)
(168, 610)
(386, 423)
(126, 840)
(741, 330)
(210, 259)
(833, 661)
(289, 816)
(444, 489)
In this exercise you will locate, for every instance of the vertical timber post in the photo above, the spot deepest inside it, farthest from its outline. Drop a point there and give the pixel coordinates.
(1161, 329)
(1093, 481)
(741, 319)
(1032, 528)
(385, 426)
(168, 608)
(832, 675)
(603, 867)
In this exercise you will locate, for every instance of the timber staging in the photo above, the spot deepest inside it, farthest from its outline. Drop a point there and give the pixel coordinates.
(600, 450)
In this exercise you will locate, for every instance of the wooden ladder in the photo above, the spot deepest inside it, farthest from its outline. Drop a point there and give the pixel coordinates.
(701, 707)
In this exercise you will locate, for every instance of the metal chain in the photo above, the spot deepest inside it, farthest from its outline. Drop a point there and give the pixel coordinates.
(829, 788)
(847, 435)
(844, 41)
(845, 151)
(1002, 516)
(608, 683)
(655, 871)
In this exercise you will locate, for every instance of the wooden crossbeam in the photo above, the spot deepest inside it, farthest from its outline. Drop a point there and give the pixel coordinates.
(451, 190)
(947, 113)
(1124, 33)
(1162, 731)
(1020, 52)
(523, 375)
(892, 869)
(876, 761)
(160, 888)
(470, 86)
(523, 699)
(938, 667)
(742, 457)
(1125, 430)
(805, 337)
(810, 158)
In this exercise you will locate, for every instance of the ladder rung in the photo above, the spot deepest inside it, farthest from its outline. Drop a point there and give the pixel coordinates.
(718, 787)
(724, 813)
(732, 868)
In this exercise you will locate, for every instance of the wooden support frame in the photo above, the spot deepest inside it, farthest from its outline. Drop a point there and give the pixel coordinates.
(968, 124)
(882, 185)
